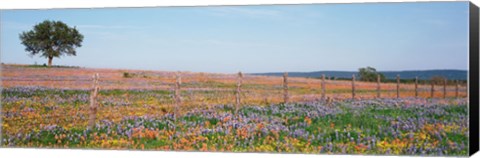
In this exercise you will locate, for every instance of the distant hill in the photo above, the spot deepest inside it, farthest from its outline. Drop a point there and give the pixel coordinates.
(422, 74)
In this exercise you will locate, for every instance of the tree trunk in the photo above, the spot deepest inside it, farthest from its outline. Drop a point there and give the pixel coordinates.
(50, 61)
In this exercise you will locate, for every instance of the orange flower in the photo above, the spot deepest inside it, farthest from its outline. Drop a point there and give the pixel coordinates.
(259, 126)
(308, 120)
(226, 119)
(204, 147)
(183, 141)
(360, 148)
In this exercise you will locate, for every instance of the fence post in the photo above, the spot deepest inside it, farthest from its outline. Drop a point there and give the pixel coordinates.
(323, 87)
(285, 87)
(237, 94)
(456, 89)
(93, 103)
(178, 100)
(398, 86)
(432, 90)
(353, 87)
(416, 87)
(378, 85)
(445, 88)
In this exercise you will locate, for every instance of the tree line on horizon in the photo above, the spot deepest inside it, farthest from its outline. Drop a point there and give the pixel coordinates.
(370, 74)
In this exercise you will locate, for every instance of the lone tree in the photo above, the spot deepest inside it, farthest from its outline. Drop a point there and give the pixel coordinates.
(51, 39)
(369, 74)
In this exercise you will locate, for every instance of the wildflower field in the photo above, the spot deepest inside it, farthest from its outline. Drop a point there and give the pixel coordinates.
(48, 108)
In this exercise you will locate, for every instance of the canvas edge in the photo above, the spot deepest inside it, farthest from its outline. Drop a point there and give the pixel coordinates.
(473, 78)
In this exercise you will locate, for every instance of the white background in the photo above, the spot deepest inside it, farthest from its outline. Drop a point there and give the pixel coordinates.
(73, 153)
(29, 4)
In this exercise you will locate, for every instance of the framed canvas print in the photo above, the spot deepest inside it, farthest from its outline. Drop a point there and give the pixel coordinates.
(371, 79)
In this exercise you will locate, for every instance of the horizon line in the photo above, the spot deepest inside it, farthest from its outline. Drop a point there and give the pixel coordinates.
(133, 69)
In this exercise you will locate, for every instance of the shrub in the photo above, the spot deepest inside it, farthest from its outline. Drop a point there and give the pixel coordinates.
(128, 75)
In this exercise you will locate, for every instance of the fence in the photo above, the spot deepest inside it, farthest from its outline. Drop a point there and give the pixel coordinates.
(286, 96)
(239, 94)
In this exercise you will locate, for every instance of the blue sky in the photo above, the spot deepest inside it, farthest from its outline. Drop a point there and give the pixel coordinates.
(268, 38)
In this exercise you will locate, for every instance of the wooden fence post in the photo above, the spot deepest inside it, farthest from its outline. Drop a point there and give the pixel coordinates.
(353, 87)
(398, 86)
(285, 88)
(237, 93)
(323, 87)
(456, 89)
(416, 87)
(93, 103)
(178, 100)
(432, 90)
(378, 85)
(445, 88)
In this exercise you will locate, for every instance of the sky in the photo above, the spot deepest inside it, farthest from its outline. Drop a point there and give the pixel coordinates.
(252, 39)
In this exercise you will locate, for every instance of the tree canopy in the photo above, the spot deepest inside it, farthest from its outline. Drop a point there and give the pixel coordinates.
(369, 74)
(52, 39)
